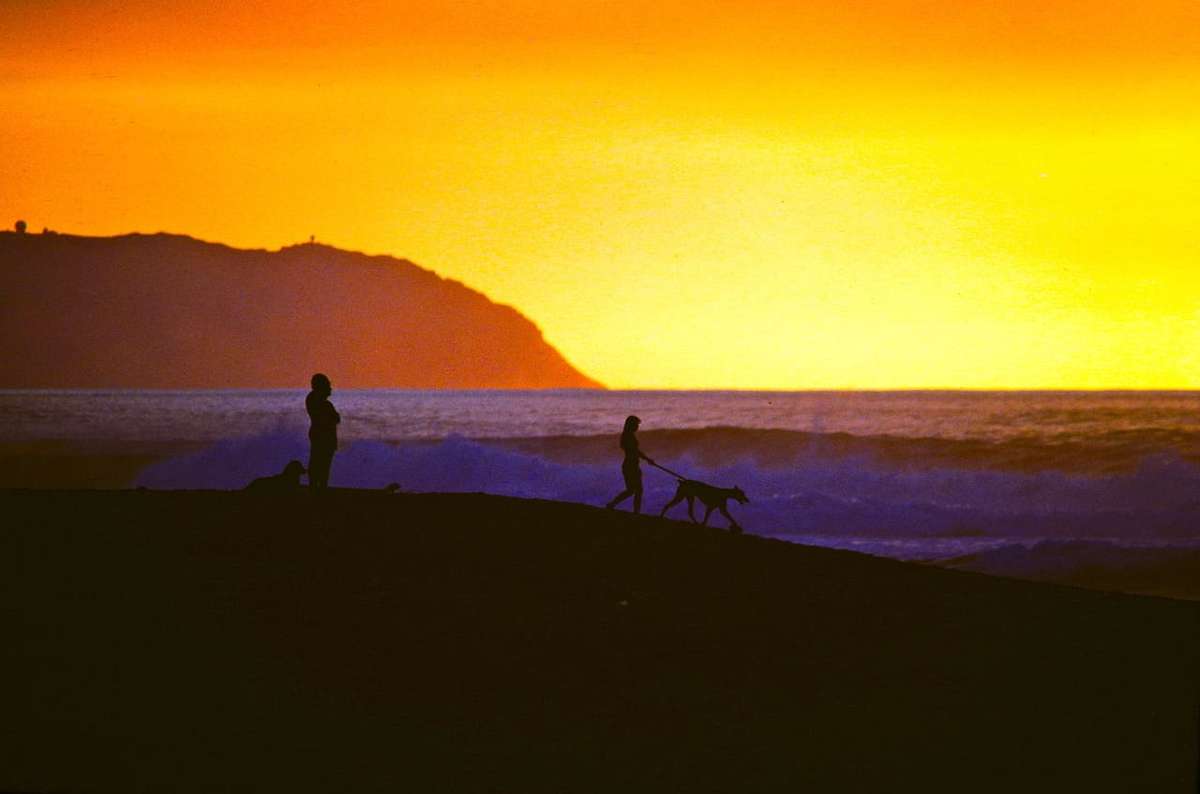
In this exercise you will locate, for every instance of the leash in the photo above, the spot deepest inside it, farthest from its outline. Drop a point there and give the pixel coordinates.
(674, 474)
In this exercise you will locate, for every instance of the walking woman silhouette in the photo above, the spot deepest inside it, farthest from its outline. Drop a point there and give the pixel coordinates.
(631, 468)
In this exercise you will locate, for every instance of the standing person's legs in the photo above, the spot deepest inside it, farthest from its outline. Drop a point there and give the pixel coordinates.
(320, 460)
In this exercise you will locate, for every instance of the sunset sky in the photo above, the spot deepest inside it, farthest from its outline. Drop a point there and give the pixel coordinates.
(748, 194)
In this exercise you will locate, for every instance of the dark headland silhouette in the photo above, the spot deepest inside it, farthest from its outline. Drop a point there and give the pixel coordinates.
(169, 311)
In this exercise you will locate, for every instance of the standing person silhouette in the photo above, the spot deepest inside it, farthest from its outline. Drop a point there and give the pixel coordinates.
(631, 467)
(322, 433)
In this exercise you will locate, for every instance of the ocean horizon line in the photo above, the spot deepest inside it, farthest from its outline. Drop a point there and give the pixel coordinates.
(573, 390)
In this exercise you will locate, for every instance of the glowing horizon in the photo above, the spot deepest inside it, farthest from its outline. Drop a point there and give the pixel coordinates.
(690, 196)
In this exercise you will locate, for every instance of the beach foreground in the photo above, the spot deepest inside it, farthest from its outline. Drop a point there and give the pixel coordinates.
(202, 641)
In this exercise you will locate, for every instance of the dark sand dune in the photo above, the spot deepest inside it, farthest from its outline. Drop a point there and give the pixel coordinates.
(221, 642)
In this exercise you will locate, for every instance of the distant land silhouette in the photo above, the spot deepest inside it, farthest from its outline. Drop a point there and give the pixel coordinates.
(170, 311)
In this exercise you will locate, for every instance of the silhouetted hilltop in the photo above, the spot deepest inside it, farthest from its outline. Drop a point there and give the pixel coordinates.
(170, 311)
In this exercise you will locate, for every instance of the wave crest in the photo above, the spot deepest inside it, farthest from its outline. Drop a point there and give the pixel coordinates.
(799, 483)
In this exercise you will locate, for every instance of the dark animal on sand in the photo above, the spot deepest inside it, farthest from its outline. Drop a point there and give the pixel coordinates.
(284, 481)
(714, 498)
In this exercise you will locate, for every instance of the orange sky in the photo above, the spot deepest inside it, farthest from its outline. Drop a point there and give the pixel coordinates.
(681, 194)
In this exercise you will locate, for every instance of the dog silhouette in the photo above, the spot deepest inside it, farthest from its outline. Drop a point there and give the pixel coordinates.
(283, 482)
(714, 498)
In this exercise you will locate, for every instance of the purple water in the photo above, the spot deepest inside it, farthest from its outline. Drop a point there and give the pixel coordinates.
(1145, 420)
(913, 475)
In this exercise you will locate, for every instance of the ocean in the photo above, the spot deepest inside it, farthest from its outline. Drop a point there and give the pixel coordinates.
(1010, 482)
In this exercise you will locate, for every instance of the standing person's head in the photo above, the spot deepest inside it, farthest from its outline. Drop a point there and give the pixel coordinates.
(321, 384)
(631, 424)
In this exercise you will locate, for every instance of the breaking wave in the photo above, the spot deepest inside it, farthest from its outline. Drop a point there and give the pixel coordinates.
(1136, 486)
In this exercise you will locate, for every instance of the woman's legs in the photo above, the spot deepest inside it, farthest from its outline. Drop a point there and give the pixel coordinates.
(621, 497)
(633, 487)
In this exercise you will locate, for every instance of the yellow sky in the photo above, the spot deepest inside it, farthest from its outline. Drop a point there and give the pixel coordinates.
(746, 195)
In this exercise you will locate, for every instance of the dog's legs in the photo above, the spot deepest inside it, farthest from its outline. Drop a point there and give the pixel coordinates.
(678, 498)
(733, 524)
(691, 504)
(707, 513)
